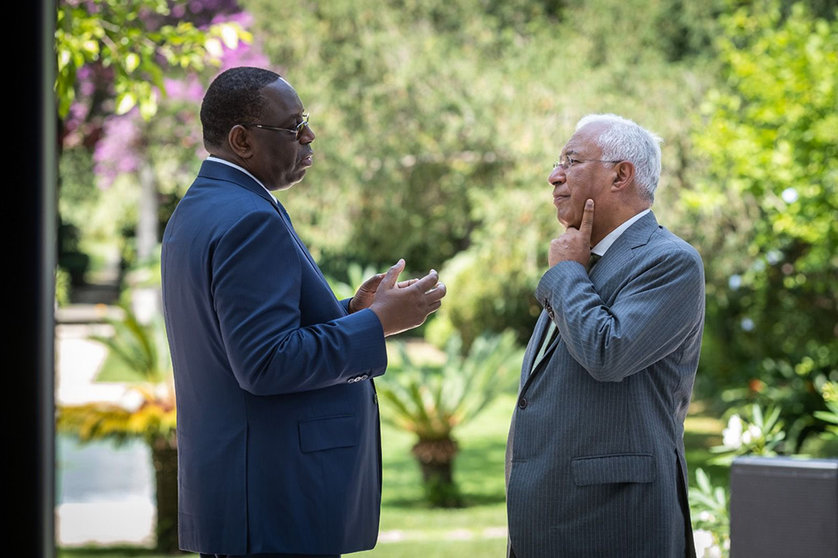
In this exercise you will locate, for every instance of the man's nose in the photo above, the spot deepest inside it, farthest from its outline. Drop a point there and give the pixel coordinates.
(556, 177)
(307, 136)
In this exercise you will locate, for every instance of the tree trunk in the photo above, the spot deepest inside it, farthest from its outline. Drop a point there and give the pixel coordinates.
(147, 216)
(144, 298)
(436, 460)
(164, 457)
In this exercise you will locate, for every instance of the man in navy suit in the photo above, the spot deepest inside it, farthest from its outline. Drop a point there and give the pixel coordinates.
(278, 429)
(595, 457)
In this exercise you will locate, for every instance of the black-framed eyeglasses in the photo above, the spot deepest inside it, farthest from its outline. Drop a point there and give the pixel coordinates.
(297, 130)
(567, 162)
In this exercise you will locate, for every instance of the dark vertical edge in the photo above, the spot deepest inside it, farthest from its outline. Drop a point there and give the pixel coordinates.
(29, 255)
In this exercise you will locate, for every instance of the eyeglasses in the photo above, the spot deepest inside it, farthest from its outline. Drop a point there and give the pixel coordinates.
(297, 130)
(566, 162)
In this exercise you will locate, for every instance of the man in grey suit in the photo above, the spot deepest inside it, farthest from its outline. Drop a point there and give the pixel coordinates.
(595, 462)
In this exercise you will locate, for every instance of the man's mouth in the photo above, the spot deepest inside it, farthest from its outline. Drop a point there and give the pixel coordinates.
(307, 161)
(559, 199)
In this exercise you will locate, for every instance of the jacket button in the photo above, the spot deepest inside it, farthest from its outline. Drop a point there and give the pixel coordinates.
(522, 403)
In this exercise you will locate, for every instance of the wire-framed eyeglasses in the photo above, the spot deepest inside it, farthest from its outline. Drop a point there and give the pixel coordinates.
(567, 162)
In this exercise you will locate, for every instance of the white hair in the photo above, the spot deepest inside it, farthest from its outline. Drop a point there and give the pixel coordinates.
(624, 140)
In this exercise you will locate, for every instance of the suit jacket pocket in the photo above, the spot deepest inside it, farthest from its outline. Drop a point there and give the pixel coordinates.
(609, 469)
(328, 433)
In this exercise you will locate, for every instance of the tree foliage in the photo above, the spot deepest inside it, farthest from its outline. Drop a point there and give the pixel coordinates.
(123, 37)
(438, 121)
(768, 199)
(118, 65)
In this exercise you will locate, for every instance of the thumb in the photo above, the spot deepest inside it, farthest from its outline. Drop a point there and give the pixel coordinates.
(372, 283)
(587, 224)
(389, 280)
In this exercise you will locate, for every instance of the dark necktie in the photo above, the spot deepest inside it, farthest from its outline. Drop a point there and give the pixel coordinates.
(593, 260)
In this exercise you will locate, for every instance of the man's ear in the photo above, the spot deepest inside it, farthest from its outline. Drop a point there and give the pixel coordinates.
(623, 175)
(240, 142)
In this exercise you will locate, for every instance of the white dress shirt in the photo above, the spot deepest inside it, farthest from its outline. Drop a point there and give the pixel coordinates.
(245, 171)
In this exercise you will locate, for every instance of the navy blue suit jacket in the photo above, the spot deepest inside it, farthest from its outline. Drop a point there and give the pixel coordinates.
(278, 425)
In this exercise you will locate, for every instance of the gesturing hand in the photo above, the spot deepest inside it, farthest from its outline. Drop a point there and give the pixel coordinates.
(366, 292)
(406, 305)
(574, 244)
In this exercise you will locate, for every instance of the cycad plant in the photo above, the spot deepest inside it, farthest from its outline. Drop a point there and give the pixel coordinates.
(432, 399)
(146, 413)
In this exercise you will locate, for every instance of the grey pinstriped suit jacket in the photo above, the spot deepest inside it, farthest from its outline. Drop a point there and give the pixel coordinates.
(595, 457)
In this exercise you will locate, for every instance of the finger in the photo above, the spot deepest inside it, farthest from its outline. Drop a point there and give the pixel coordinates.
(437, 292)
(389, 279)
(587, 219)
(427, 282)
(406, 283)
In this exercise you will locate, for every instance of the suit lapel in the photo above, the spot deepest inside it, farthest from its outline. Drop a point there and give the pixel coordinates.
(619, 254)
(637, 235)
(286, 219)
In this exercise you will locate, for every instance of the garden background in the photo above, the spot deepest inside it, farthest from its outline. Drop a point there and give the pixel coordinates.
(437, 124)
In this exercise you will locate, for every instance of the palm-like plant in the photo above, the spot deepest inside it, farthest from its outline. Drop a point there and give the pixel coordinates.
(432, 399)
(147, 412)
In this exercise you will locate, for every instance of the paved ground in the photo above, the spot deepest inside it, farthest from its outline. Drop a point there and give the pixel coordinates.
(104, 494)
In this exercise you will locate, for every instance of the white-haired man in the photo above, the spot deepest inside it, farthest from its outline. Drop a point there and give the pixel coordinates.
(595, 457)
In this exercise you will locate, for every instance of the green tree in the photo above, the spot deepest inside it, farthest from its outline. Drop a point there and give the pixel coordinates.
(114, 57)
(118, 36)
(437, 123)
(767, 204)
(403, 108)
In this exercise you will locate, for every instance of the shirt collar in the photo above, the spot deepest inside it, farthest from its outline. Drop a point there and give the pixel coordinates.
(603, 245)
(245, 171)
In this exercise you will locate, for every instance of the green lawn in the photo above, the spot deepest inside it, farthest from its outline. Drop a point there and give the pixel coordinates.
(409, 529)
